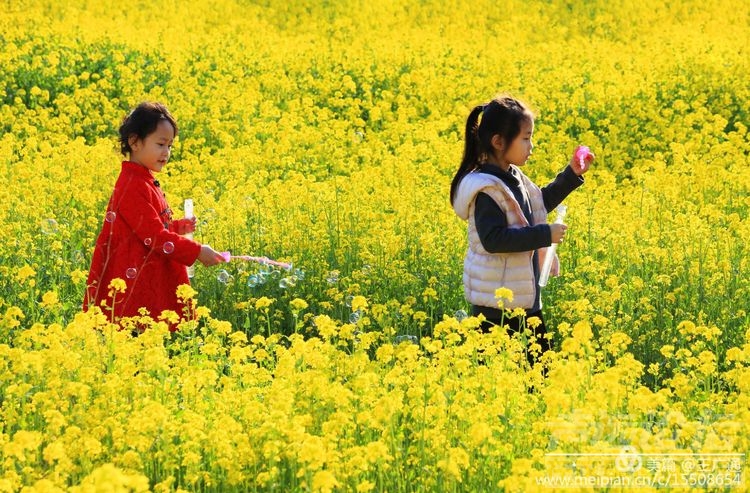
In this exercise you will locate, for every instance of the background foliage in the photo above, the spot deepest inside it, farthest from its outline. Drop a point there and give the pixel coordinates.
(326, 134)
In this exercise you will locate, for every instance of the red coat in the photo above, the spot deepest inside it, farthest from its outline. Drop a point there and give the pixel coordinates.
(138, 243)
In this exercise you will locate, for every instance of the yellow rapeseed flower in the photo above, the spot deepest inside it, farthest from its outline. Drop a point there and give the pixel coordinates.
(384, 353)
(78, 276)
(667, 351)
(298, 304)
(117, 285)
(50, 299)
(365, 486)
(533, 322)
(263, 303)
(24, 273)
(324, 482)
(327, 328)
(618, 342)
(582, 331)
(503, 296)
(735, 354)
(169, 316)
(359, 303)
(185, 292)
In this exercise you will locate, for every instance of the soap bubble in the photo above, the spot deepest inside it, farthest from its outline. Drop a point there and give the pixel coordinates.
(147, 242)
(168, 247)
(131, 272)
(224, 277)
(76, 256)
(110, 216)
(355, 316)
(50, 227)
(299, 274)
(333, 277)
(406, 338)
(253, 281)
(460, 315)
(348, 300)
(286, 282)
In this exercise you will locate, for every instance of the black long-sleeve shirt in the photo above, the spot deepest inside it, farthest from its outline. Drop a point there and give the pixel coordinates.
(492, 225)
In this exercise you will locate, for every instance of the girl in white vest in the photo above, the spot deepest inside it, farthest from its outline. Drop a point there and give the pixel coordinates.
(508, 233)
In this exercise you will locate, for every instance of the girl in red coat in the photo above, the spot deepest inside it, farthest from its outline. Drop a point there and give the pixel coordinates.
(139, 242)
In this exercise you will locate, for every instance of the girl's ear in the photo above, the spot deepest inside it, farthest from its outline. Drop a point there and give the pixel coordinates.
(133, 141)
(497, 142)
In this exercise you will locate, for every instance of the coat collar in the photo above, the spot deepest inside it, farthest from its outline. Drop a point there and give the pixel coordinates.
(140, 171)
(136, 169)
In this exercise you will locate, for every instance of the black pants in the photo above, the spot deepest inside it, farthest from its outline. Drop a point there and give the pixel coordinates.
(516, 325)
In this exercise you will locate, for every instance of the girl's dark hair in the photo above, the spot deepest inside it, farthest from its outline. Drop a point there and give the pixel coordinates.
(502, 116)
(141, 122)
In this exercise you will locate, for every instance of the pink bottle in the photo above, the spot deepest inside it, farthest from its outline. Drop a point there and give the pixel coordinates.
(583, 153)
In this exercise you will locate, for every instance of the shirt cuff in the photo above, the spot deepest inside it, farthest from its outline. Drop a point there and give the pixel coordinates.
(571, 177)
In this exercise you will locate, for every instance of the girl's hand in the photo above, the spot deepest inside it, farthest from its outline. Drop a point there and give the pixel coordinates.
(581, 160)
(185, 225)
(558, 232)
(209, 256)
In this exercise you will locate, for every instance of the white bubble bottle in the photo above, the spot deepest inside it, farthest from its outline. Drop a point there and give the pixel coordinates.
(189, 214)
(552, 249)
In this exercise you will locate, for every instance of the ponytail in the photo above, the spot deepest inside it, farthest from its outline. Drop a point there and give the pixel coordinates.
(470, 160)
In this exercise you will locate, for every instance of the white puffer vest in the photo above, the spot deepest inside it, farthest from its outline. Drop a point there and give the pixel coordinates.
(484, 272)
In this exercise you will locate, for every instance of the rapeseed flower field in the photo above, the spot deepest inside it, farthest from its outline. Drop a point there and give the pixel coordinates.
(325, 134)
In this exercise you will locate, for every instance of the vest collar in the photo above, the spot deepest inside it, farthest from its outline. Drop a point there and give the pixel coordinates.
(510, 177)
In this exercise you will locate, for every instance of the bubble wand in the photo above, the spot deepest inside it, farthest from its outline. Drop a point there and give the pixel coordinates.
(552, 249)
(227, 256)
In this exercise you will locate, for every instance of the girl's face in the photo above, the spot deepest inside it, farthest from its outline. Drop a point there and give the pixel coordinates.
(519, 150)
(154, 150)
